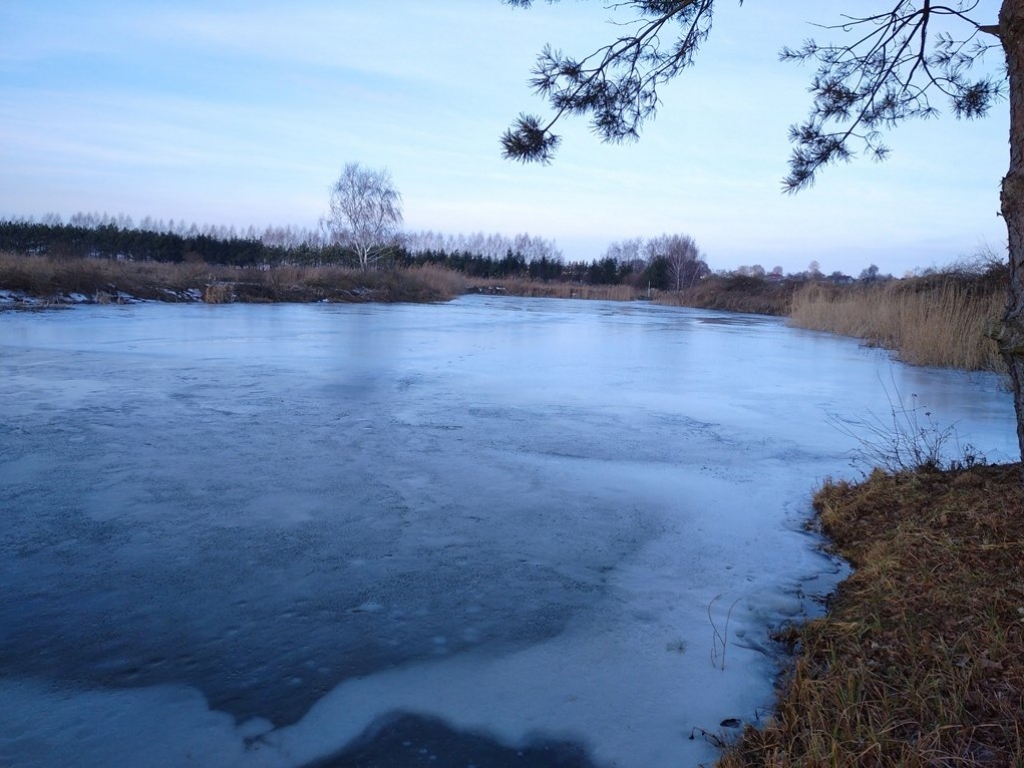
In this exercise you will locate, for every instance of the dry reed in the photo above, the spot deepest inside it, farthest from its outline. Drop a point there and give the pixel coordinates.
(926, 321)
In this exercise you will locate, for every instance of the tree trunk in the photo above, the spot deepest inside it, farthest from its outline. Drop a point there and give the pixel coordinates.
(1010, 333)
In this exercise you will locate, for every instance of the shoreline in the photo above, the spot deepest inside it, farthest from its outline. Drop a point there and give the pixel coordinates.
(919, 658)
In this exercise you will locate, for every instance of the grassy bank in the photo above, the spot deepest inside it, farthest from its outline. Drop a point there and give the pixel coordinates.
(106, 280)
(520, 286)
(735, 293)
(937, 320)
(732, 293)
(920, 660)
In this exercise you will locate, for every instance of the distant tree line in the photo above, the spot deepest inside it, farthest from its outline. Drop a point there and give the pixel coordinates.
(485, 256)
(96, 236)
(668, 262)
(664, 263)
(102, 237)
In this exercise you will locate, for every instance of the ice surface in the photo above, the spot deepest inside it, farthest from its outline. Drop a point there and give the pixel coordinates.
(260, 535)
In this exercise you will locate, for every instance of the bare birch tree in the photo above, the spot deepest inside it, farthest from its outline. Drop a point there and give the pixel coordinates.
(365, 213)
(685, 261)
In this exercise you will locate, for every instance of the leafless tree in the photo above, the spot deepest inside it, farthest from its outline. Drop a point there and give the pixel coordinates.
(685, 261)
(365, 213)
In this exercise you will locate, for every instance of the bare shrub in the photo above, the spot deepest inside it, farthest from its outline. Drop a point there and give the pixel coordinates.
(909, 438)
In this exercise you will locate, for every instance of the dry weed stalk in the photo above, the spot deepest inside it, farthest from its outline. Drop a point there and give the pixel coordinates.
(719, 640)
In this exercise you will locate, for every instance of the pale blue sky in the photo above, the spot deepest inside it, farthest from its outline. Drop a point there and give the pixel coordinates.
(244, 112)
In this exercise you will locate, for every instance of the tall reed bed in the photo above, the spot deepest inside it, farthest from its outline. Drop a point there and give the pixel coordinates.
(939, 320)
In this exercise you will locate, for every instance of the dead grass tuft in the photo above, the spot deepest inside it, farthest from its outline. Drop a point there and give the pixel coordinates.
(920, 660)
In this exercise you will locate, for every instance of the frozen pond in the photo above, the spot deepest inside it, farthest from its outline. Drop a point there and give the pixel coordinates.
(484, 533)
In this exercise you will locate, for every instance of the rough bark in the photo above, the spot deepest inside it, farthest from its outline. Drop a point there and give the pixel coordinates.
(1010, 333)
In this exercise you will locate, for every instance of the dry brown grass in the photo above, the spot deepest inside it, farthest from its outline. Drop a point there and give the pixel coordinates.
(44, 276)
(104, 279)
(735, 293)
(920, 660)
(516, 286)
(934, 321)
